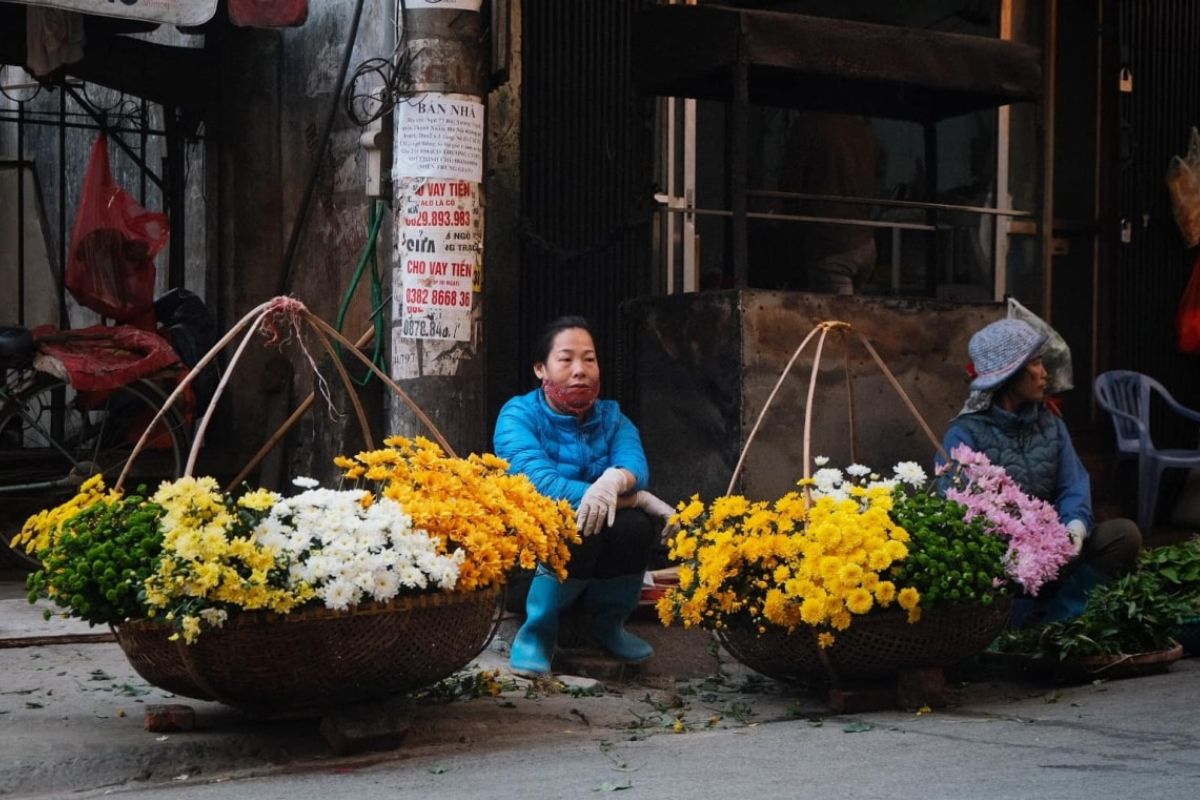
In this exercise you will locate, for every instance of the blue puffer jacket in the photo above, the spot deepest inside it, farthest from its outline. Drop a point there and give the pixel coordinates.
(1035, 449)
(560, 454)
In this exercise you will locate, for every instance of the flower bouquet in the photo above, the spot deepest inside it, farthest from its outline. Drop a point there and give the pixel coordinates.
(263, 601)
(854, 576)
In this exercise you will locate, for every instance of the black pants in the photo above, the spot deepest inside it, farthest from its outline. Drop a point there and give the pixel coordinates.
(1113, 547)
(623, 549)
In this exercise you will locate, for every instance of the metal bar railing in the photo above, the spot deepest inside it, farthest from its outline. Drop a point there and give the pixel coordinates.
(875, 201)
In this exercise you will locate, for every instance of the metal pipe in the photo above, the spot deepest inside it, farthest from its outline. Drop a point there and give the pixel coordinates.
(873, 201)
(739, 130)
(51, 121)
(862, 223)
(1050, 52)
(64, 321)
(117, 140)
(20, 217)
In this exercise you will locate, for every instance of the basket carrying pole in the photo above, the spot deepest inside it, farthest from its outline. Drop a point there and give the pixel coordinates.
(256, 319)
(173, 398)
(287, 425)
(823, 328)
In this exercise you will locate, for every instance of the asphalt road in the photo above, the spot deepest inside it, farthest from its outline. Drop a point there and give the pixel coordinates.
(1121, 739)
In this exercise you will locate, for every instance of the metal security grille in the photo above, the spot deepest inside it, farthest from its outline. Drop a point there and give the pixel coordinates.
(586, 166)
(1159, 40)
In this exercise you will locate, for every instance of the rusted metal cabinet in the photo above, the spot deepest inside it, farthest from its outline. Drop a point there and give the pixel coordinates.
(703, 365)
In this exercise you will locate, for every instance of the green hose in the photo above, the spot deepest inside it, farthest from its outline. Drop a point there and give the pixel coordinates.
(376, 214)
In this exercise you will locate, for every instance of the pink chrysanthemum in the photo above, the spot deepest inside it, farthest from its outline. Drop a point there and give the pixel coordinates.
(1038, 544)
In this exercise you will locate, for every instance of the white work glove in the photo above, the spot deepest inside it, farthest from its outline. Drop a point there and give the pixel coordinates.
(598, 507)
(655, 507)
(1077, 532)
(652, 505)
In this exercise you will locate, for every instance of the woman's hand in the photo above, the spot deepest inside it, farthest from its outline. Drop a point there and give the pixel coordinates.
(598, 507)
(656, 508)
(652, 505)
(1077, 531)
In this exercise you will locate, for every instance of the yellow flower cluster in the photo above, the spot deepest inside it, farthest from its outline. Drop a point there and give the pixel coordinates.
(40, 531)
(473, 504)
(210, 559)
(795, 561)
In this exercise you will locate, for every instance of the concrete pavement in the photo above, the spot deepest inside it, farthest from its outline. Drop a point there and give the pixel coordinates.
(71, 725)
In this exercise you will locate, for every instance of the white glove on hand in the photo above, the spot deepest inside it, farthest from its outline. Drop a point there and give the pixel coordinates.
(652, 505)
(599, 504)
(657, 508)
(1077, 532)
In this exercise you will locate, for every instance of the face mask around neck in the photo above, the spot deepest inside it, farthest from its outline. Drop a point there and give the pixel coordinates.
(574, 400)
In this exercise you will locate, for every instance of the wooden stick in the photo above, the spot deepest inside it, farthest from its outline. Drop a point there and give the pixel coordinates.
(808, 405)
(770, 399)
(383, 376)
(887, 373)
(287, 425)
(345, 376)
(183, 384)
(202, 428)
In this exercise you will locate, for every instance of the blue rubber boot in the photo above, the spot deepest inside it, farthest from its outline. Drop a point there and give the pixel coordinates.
(610, 602)
(533, 646)
(1071, 598)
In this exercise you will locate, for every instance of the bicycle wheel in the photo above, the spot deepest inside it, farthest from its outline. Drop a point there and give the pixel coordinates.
(53, 438)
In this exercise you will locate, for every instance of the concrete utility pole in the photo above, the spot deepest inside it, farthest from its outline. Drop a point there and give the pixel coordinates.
(437, 319)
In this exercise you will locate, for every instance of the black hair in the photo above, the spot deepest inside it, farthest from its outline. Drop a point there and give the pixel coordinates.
(545, 340)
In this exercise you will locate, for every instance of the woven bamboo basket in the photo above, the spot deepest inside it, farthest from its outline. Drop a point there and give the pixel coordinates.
(880, 643)
(269, 662)
(266, 662)
(874, 646)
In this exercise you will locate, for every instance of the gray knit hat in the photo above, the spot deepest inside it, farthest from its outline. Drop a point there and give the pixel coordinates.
(1000, 349)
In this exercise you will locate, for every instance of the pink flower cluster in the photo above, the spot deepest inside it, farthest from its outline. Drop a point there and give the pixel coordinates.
(1038, 544)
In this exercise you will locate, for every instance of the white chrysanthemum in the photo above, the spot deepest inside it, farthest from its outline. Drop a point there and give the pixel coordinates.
(858, 470)
(272, 539)
(828, 479)
(305, 483)
(339, 595)
(820, 461)
(911, 473)
(214, 617)
(385, 585)
(347, 552)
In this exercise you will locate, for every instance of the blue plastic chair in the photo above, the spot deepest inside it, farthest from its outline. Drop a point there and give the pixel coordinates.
(1126, 396)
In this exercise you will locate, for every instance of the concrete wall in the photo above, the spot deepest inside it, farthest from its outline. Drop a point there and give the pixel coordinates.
(705, 364)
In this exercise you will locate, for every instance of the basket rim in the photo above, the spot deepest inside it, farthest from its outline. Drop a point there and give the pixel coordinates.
(316, 613)
(880, 615)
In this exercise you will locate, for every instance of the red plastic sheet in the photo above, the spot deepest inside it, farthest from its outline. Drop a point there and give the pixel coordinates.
(102, 358)
(268, 13)
(1187, 319)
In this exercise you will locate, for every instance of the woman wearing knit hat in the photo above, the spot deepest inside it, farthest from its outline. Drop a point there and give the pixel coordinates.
(1005, 417)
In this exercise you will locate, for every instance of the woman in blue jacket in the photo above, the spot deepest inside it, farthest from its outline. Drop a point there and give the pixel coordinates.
(575, 446)
(1005, 417)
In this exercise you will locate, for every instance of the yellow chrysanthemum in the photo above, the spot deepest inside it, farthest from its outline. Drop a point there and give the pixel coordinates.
(859, 601)
(798, 560)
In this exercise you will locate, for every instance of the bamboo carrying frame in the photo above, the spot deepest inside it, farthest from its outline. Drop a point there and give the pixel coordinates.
(262, 661)
(291, 312)
(877, 643)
